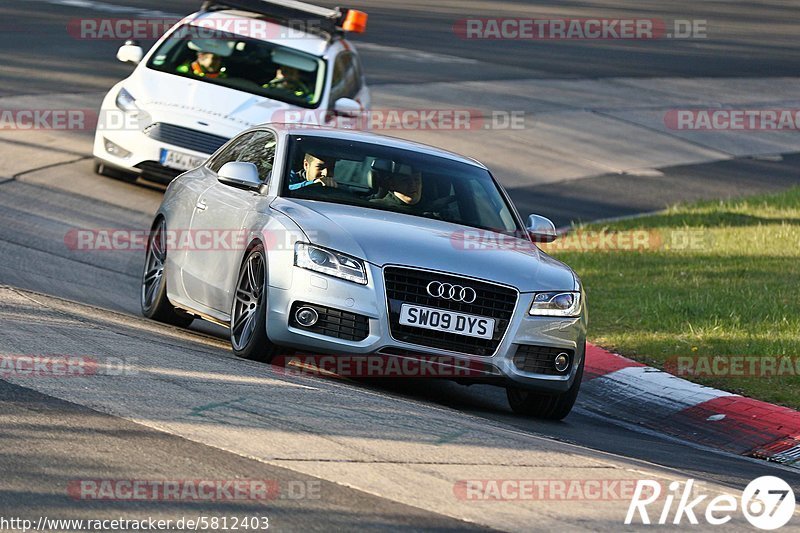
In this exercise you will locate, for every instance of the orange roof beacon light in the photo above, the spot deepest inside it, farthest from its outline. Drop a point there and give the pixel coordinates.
(355, 21)
(332, 22)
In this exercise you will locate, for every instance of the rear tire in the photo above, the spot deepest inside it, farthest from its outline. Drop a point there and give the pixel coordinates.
(546, 406)
(249, 311)
(154, 301)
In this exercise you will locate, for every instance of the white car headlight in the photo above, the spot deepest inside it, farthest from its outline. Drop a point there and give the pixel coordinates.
(330, 262)
(557, 303)
(126, 101)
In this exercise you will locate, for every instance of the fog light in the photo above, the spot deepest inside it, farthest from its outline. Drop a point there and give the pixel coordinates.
(306, 316)
(561, 362)
(116, 150)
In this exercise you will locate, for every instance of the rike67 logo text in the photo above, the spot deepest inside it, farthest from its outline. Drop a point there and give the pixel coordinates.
(767, 503)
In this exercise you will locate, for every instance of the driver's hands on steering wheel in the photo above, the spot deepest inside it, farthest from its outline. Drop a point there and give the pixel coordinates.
(327, 182)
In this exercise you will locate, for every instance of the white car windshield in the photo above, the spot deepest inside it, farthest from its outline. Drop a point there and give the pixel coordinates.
(404, 181)
(242, 63)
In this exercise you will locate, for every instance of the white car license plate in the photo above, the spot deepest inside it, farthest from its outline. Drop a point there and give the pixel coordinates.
(443, 320)
(179, 160)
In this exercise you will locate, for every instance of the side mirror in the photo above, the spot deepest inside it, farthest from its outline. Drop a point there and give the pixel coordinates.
(130, 52)
(239, 174)
(541, 229)
(347, 107)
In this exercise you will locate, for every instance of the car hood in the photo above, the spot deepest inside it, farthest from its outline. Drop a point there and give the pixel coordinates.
(384, 238)
(201, 105)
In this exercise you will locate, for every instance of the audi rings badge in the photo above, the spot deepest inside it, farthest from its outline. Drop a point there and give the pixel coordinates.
(448, 291)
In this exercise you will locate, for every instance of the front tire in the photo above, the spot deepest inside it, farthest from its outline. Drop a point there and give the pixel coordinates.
(154, 301)
(102, 169)
(546, 406)
(249, 313)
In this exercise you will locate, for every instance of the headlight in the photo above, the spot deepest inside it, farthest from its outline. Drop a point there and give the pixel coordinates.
(126, 101)
(566, 304)
(329, 262)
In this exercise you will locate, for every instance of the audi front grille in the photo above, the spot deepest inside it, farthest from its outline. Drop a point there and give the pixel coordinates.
(406, 285)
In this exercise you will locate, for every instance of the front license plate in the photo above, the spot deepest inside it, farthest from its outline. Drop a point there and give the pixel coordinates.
(443, 320)
(179, 160)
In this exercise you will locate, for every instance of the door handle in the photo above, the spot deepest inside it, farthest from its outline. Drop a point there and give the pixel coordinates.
(201, 205)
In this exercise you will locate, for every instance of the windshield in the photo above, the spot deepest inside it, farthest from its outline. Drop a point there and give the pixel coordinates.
(404, 181)
(244, 64)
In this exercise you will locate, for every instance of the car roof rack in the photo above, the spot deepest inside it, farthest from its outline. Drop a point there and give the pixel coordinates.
(329, 23)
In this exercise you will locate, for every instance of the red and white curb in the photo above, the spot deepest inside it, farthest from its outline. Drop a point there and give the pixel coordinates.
(635, 393)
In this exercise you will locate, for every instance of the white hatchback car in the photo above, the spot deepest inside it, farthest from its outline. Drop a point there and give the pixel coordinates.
(222, 70)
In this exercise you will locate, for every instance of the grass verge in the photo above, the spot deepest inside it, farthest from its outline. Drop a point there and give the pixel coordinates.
(710, 291)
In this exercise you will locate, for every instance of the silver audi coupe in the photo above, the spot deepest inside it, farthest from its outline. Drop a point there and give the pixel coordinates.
(314, 240)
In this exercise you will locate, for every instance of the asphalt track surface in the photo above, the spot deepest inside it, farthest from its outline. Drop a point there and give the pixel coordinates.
(743, 39)
(46, 441)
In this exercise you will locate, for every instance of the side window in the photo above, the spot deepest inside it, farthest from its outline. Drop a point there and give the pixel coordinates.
(358, 72)
(256, 147)
(260, 150)
(346, 77)
(231, 153)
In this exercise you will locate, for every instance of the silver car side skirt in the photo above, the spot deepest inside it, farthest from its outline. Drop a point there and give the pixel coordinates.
(218, 319)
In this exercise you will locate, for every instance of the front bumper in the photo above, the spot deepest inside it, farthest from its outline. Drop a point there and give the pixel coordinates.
(144, 154)
(568, 334)
(139, 153)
